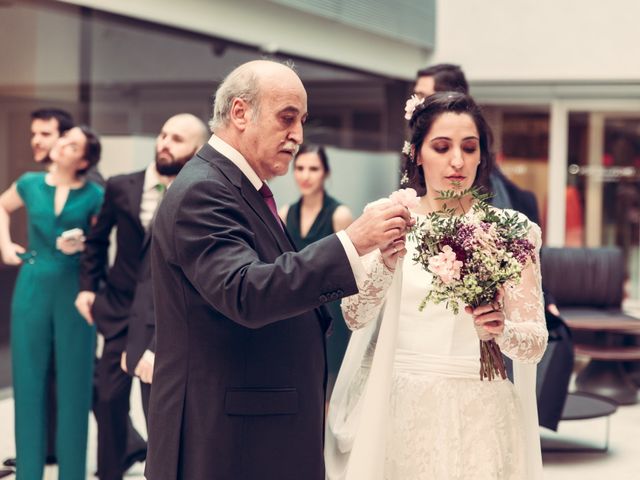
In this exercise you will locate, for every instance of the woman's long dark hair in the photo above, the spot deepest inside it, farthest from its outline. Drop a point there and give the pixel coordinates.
(421, 122)
(92, 149)
(317, 149)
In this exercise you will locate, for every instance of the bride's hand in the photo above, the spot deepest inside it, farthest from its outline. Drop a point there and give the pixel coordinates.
(489, 319)
(392, 252)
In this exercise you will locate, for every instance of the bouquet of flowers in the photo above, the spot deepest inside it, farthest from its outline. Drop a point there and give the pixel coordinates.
(471, 257)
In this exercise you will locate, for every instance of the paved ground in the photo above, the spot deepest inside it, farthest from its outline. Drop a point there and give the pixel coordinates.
(622, 462)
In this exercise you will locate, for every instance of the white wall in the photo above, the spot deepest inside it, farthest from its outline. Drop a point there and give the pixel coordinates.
(276, 28)
(125, 154)
(534, 40)
(502, 40)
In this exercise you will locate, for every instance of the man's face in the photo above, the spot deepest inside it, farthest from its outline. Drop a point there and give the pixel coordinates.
(424, 87)
(176, 143)
(274, 133)
(44, 134)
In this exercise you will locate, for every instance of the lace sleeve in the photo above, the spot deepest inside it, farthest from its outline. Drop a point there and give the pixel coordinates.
(360, 309)
(525, 332)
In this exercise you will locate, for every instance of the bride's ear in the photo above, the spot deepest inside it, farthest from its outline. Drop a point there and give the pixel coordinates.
(418, 159)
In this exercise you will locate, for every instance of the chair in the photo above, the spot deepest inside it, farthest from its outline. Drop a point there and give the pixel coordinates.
(555, 402)
(588, 286)
(594, 283)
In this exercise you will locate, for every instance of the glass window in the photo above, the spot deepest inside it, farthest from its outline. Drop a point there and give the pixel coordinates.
(521, 143)
(603, 185)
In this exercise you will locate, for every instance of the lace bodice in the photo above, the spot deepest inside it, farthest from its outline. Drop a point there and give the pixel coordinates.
(437, 330)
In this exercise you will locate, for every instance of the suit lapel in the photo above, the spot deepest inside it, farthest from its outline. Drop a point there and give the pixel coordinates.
(249, 193)
(259, 206)
(134, 197)
(146, 241)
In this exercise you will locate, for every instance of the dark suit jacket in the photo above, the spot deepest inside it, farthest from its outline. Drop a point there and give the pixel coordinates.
(114, 286)
(141, 329)
(523, 201)
(239, 379)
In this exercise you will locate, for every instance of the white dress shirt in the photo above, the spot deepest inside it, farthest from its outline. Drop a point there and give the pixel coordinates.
(151, 197)
(151, 194)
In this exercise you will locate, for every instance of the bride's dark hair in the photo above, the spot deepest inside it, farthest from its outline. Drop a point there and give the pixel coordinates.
(423, 118)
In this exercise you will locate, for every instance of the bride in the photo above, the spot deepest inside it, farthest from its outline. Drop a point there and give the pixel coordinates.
(409, 403)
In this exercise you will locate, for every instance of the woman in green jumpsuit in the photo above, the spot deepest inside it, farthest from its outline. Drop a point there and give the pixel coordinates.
(43, 315)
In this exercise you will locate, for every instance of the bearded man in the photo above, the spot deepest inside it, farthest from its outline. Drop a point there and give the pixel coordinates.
(106, 293)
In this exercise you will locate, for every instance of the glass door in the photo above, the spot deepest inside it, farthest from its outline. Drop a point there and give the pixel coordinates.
(603, 186)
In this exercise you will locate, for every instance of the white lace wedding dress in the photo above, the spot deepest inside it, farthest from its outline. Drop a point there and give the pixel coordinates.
(408, 403)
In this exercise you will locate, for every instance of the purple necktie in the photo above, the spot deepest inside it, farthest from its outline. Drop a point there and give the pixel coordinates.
(267, 195)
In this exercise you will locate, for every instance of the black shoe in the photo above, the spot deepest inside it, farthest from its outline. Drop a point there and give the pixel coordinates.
(139, 456)
(5, 472)
(11, 462)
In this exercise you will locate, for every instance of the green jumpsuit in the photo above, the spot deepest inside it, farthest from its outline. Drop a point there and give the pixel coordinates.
(44, 319)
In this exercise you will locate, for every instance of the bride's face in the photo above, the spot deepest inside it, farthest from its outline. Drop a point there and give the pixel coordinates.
(450, 153)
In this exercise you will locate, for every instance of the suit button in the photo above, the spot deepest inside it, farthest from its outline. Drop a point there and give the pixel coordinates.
(31, 261)
(340, 292)
(322, 298)
(34, 253)
(334, 296)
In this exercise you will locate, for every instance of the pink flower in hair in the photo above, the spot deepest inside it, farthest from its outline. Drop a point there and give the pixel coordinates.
(406, 197)
(411, 105)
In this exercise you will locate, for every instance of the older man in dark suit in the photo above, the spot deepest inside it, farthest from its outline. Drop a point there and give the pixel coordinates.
(239, 382)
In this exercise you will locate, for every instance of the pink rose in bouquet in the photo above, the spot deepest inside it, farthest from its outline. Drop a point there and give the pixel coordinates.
(406, 197)
(445, 265)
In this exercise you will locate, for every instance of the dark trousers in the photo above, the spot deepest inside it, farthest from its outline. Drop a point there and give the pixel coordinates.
(117, 438)
(145, 392)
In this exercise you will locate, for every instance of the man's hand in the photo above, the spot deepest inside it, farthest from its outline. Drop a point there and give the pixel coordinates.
(123, 362)
(553, 308)
(10, 254)
(84, 304)
(144, 369)
(379, 226)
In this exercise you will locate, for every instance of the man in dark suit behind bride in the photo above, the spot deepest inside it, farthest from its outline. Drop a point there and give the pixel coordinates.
(240, 371)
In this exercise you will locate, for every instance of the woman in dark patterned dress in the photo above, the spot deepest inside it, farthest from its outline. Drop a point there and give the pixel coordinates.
(314, 216)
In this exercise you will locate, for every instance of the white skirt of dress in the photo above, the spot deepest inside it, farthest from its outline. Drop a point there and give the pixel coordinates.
(443, 428)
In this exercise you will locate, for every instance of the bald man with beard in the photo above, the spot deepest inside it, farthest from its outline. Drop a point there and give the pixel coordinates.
(107, 292)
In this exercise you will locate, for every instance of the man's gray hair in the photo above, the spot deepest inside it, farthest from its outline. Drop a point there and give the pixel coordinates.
(240, 83)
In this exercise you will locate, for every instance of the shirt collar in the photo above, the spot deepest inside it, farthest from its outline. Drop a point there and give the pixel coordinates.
(152, 178)
(237, 159)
